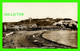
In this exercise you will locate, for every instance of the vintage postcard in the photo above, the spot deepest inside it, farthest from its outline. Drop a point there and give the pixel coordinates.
(40, 25)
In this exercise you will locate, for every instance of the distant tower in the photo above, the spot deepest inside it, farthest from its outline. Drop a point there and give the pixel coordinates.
(30, 19)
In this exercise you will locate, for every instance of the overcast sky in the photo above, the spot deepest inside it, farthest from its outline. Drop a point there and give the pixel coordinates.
(39, 10)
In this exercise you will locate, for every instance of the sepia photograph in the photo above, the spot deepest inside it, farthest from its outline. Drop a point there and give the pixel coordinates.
(40, 25)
